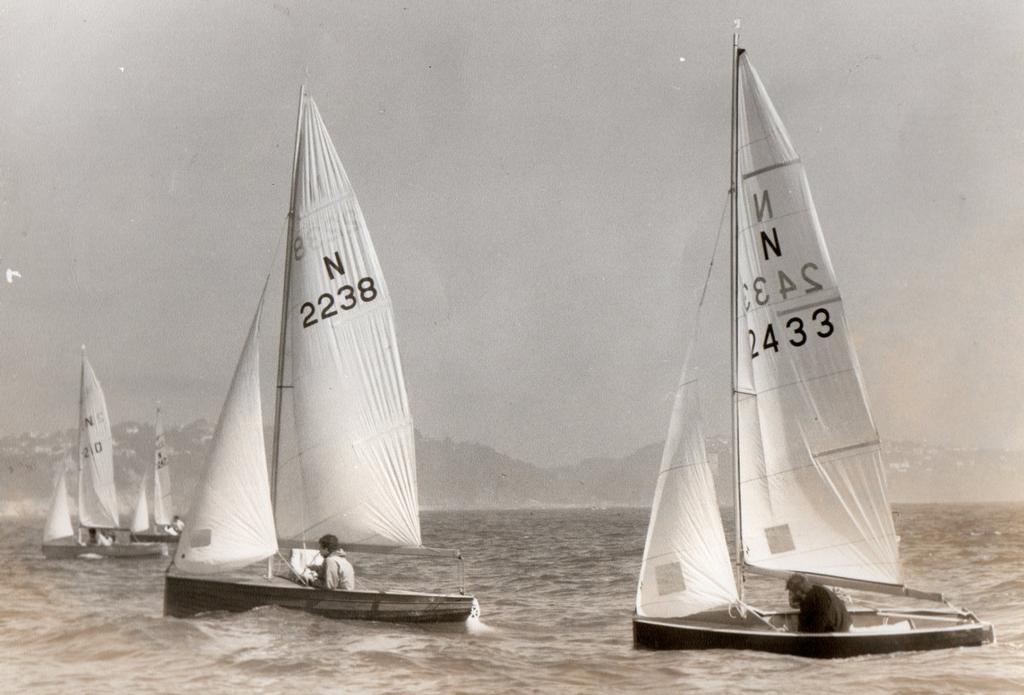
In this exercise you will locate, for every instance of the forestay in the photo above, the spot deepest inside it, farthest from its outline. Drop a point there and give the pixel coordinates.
(58, 521)
(163, 506)
(812, 479)
(355, 471)
(230, 524)
(97, 496)
(686, 566)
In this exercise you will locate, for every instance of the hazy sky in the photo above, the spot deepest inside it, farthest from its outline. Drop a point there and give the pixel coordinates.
(543, 182)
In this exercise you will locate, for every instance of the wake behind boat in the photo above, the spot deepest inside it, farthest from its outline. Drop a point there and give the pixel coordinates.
(99, 532)
(809, 493)
(354, 473)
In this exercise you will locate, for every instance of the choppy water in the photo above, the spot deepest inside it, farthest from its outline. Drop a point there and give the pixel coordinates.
(556, 588)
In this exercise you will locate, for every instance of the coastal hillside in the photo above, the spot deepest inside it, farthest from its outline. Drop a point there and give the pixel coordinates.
(469, 475)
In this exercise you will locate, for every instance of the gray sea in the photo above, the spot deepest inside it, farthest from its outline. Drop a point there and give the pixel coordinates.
(556, 588)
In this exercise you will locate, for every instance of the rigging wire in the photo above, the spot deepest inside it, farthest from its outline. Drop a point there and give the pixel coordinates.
(711, 266)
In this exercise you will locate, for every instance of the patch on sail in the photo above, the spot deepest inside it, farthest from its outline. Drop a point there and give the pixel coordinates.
(200, 538)
(780, 540)
(669, 578)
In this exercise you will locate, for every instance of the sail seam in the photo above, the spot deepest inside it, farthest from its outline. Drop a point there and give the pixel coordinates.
(305, 214)
(761, 392)
(794, 468)
(851, 447)
(819, 548)
(804, 307)
(681, 466)
(771, 166)
(774, 219)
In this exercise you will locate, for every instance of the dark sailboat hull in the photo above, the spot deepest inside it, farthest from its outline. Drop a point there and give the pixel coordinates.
(925, 630)
(155, 538)
(186, 596)
(70, 551)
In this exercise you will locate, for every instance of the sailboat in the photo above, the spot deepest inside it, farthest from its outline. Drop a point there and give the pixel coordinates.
(163, 504)
(354, 474)
(809, 493)
(97, 494)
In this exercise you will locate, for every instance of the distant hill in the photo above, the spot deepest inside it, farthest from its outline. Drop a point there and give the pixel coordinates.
(29, 463)
(455, 475)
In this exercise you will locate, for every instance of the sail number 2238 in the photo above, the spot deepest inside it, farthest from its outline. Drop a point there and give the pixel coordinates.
(796, 332)
(344, 299)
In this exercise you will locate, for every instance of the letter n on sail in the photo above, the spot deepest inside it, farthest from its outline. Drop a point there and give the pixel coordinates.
(761, 207)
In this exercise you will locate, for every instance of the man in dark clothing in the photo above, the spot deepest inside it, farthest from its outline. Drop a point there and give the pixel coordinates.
(820, 609)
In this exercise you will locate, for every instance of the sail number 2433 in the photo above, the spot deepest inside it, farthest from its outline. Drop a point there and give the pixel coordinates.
(796, 332)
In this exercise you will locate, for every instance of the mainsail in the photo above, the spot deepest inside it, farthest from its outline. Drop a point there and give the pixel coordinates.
(97, 496)
(686, 566)
(355, 471)
(230, 524)
(58, 521)
(163, 506)
(812, 481)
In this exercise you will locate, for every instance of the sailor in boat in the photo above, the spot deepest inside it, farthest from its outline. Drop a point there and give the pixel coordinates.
(335, 571)
(98, 538)
(820, 609)
(175, 527)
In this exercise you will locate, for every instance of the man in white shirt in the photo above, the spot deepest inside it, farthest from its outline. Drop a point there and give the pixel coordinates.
(335, 572)
(98, 538)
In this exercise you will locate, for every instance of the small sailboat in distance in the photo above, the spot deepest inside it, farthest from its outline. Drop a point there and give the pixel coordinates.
(163, 503)
(809, 492)
(354, 474)
(97, 494)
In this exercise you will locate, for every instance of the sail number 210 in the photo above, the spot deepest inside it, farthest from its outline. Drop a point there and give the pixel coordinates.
(347, 298)
(796, 332)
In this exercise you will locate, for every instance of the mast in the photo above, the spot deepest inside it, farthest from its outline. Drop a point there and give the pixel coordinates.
(279, 386)
(282, 339)
(78, 429)
(733, 300)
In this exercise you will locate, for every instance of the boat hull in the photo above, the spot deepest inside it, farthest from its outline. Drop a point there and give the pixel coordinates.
(155, 538)
(124, 551)
(680, 633)
(185, 597)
